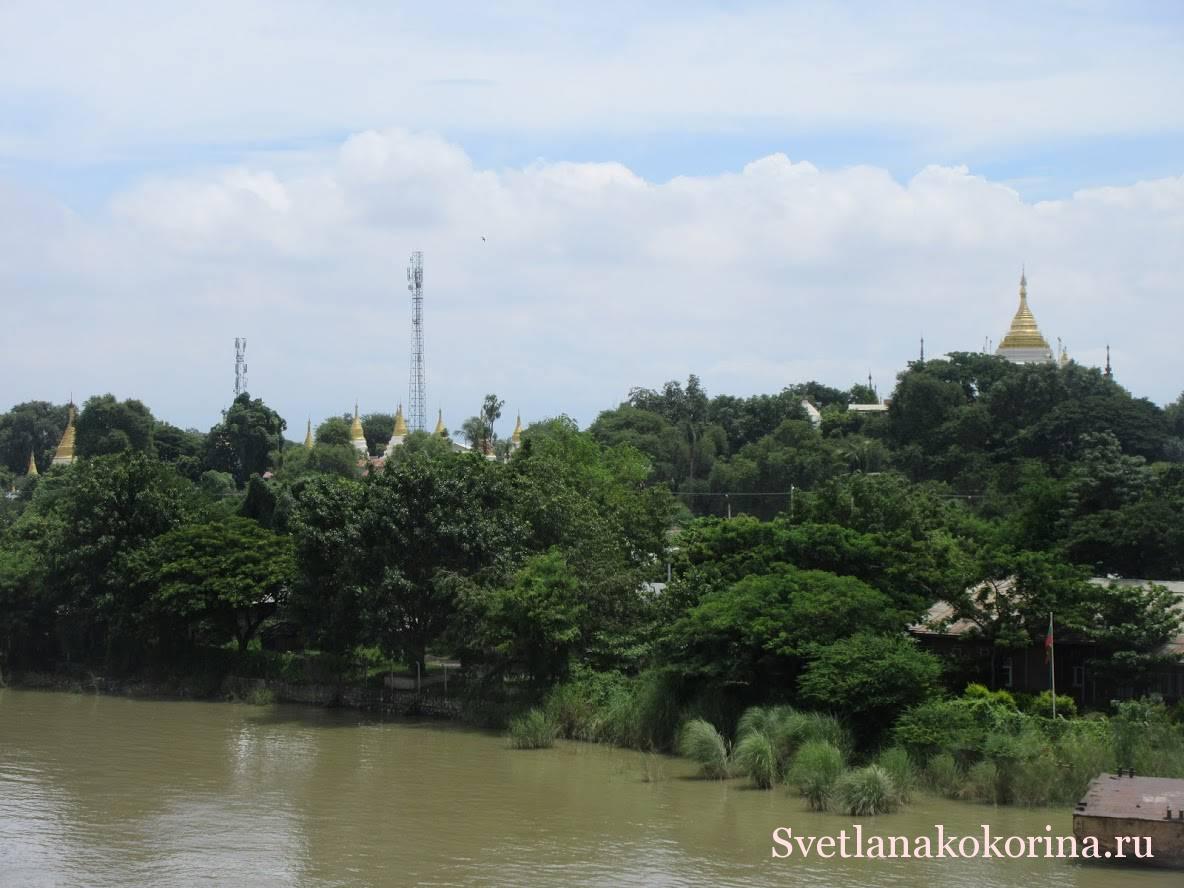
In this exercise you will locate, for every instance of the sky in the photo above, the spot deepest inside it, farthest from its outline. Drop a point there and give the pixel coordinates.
(606, 196)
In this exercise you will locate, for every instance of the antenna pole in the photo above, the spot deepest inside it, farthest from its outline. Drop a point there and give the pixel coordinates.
(417, 387)
(240, 366)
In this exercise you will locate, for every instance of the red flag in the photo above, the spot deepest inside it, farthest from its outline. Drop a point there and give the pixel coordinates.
(1048, 641)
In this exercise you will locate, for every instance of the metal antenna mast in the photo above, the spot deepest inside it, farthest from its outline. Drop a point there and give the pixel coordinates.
(417, 396)
(240, 366)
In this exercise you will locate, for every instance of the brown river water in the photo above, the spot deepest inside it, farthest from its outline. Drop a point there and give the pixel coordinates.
(105, 791)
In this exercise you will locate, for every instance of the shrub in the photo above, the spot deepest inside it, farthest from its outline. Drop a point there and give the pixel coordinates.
(261, 697)
(982, 783)
(1041, 704)
(816, 767)
(532, 731)
(1036, 780)
(896, 764)
(866, 792)
(794, 729)
(943, 776)
(700, 741)
(755, 756)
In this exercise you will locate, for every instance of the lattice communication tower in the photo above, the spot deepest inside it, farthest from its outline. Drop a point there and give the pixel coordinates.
(417, 396)
(240, 366)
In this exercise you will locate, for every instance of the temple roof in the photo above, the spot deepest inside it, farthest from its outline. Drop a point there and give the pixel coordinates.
(1023, 333)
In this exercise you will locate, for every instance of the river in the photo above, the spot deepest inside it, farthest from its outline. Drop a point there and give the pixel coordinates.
(107, 791)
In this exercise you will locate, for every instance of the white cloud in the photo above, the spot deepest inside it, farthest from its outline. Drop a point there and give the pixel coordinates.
(590, 280)
(84, 82)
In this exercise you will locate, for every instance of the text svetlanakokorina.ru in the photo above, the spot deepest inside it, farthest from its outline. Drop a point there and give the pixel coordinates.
(942, 844)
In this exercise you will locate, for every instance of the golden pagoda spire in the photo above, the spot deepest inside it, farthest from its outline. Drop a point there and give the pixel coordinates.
(516, 437)
(64, 455)
(308, 435)
(1023, 333)
(357, 437)
(32, 472)
(400, 424)
(440, 423)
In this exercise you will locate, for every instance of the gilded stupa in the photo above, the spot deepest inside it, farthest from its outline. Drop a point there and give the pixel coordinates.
(1024, 343)
(516, 437)
(440, 430)
(308, 436)
(64, 455)
(32, 471)
(399, 434)
(356, 436)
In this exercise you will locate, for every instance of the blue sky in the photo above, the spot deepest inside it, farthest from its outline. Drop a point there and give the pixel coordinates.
(789, 191)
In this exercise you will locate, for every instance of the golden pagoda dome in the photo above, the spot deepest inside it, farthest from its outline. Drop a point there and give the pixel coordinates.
(400, 424)
(1024, 343)
(32, 472)
(440, 430)
(64, 455)
(355, 430)
(308, 435)
(357, 437)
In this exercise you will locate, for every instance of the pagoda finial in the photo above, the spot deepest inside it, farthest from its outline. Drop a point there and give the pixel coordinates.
(400, 424)
(516, 437)
(440, 423)
(308, 435)
(32, 471)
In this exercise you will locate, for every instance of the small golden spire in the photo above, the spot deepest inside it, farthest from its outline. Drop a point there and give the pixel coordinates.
(440, 423)
(517, 436)
(400, 424)
(308, 435)
(32, 472)
(64, 455)
(355, 430)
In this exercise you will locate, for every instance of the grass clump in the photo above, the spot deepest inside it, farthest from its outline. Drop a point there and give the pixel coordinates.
(867, 791)
(756, 756)
(896, 763)
(943, 776)
(816, 767)
(700, 741)
(532, 731)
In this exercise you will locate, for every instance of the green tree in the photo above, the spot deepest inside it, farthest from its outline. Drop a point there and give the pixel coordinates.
(758, 631)
(334, 431)
(326, 529)
(533, 623)
(223, 577)
(32, 427)
(427, 524)
(377, 428)
(180, 448)
(94, 517)
(242, 442)
(869, 680)
(107, 425)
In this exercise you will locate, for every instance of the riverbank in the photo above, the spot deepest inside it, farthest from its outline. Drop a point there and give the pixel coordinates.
(429, 701)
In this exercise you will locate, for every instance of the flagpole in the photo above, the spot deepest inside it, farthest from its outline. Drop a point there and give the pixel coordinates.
(1052, 665)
